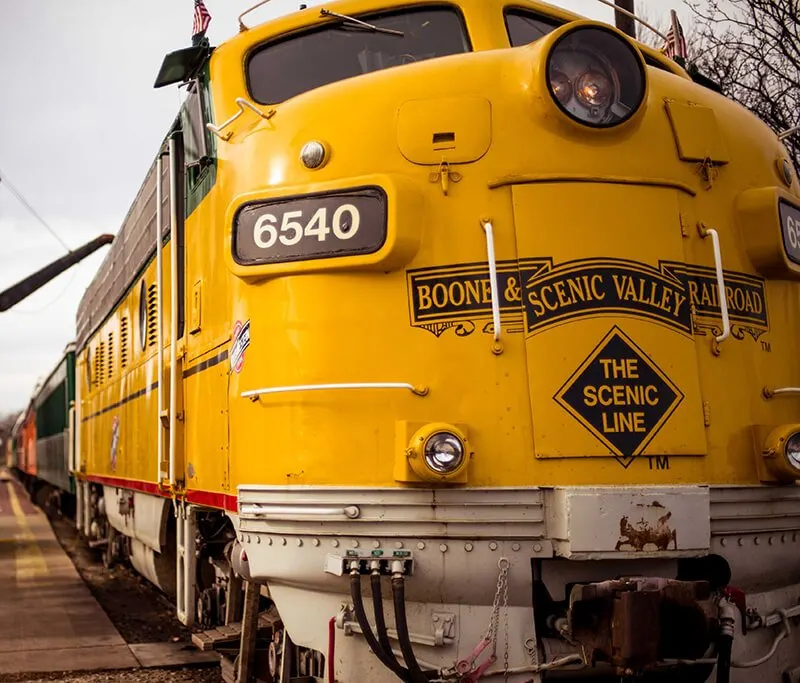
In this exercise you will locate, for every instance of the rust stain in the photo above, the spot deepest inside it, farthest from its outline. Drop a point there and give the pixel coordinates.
(639, 535)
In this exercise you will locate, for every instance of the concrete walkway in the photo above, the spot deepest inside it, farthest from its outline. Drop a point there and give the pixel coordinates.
(49, 620)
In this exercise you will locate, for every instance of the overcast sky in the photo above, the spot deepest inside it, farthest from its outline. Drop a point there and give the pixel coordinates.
(79, 125)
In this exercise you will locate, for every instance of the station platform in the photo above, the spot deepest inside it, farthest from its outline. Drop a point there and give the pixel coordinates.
(49, 620)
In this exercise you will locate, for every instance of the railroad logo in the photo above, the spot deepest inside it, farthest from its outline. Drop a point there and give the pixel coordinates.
(620, 395)
(114, 443)
(241, 340)
(538, 294)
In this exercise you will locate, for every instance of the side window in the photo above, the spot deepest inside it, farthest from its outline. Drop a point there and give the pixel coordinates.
(195, 147)
(525, 27)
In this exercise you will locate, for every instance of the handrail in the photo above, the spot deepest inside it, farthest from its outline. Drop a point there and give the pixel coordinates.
(723, 298)
(161, 426)
(486, 224)
(782, 391)
(290, 511)
(255, 393)
(242, 26)
(173, 303)
(242, 103)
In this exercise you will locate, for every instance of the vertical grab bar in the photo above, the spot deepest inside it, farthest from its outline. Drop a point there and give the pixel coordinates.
(173, 304)
(723, 298)
(161, 427)
(488, 228)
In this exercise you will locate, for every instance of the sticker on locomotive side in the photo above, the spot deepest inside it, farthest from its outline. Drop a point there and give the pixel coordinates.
(620, 395)
(536, 294)
(114, 443)
(241, 340)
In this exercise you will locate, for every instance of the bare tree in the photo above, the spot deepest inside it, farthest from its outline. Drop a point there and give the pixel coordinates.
(751, 48)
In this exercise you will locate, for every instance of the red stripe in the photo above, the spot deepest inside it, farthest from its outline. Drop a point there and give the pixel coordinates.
(220, 501)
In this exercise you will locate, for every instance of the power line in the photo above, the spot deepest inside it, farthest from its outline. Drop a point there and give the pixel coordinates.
(14, 191)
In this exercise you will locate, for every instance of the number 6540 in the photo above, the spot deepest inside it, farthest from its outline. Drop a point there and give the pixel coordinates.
(344, 225)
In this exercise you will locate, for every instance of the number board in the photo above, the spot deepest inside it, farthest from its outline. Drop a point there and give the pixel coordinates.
(790, 227)
(311, 227)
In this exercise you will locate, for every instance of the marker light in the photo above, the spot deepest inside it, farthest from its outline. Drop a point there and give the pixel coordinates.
(596, 76)
(782, 453)
(313, 155)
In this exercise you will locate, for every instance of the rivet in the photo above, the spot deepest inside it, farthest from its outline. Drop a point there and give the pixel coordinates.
(723, 542)
(269, 541)
(420, 546)
(515, 547)
(443, 547)
(493, 546)
(299, 542)
(741, 542)
(283, 541)
(794, 537)
(315, 542)
(398, 544)
(770, 541)
(468, 547)
(757, 540)
(335, 543)
(354, 543)
(537, 548)
(783, 538)
(376, 544)
(258, 540)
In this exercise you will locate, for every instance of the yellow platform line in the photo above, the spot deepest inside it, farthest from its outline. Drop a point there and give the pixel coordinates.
(30, 563)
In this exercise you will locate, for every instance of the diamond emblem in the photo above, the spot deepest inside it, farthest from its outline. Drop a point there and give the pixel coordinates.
(621, 396)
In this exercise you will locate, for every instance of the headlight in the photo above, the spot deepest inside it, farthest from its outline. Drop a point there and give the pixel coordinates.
(596, 77)
(793, 451)
(782, 453)
(444, 452)
(438, 452)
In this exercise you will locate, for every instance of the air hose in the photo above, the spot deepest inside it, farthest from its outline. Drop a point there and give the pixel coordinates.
(399, 598)
(387, 660)
(380, 620)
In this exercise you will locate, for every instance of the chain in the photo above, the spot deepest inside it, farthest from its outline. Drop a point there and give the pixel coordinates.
(505, 617)
(501, 594)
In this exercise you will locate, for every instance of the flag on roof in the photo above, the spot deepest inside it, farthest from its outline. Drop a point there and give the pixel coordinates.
(202, 18)
(675, 47)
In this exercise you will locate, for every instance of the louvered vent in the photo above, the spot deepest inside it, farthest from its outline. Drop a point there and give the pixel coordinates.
(110, 360)
(152, 315)
(101, 363)
(123, 342)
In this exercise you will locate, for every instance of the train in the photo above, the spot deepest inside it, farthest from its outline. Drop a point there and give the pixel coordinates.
(458, 339)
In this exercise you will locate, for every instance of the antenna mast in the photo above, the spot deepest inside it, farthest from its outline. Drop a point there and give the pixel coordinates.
(625, 22)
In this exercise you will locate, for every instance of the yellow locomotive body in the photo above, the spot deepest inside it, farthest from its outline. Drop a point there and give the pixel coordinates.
(434, 325)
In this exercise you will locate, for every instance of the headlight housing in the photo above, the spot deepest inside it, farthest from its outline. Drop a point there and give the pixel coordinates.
(596, 77)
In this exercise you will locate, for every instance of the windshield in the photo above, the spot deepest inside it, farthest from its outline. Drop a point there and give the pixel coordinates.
(280, 70)
(526, 27)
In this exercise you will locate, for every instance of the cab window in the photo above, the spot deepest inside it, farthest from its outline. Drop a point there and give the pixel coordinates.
(301, 62)
(525, 27)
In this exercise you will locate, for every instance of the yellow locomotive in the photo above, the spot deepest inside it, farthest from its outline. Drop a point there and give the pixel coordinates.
(483, 301)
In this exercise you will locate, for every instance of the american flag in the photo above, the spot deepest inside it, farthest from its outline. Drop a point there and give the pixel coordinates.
(676, 40)
(202, 18)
